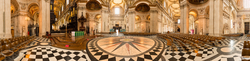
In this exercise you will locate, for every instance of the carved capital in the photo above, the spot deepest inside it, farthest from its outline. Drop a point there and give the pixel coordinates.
(202, 10)
(81, 8)
(23, 5)
(48, 1)
(183, 3)
(153, 11)
(131, 12)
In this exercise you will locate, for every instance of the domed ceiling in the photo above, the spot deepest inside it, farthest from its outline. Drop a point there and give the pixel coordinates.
(142, 8)
(197, 1)
(93, 5)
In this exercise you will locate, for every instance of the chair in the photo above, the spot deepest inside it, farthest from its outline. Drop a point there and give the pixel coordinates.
(246, 44)
(2, 57)
(245, 54)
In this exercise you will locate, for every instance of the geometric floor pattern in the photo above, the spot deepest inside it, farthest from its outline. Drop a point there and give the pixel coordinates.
(183, 55)
(48, 53)
(204, 54)
(102, 55)
(39, 52)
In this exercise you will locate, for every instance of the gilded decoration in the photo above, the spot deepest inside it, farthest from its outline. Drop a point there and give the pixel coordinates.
(93, 5)
(197, 1)
(142, 8)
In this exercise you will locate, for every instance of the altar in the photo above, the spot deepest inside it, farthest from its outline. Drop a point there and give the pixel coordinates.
(117, 28)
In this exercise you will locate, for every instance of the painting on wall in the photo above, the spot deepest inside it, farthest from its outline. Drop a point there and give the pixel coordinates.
(197, 1)
(93, 5)
(142, 8)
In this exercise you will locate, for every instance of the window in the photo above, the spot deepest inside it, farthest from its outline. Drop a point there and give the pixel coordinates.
(117, 10)
(179, 21)
(246, 3)
(62, 8)
(67, 2)
(164, 5)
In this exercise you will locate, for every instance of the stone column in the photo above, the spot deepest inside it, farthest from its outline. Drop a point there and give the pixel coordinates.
(143, 26)
(22, 23)
(216, 18)
(1, 18)
(44, 19)
(91, 22)
(184, 28)
(47, 8)
(105, 19)
(5, 19)
(154, 21)
(202, 24)
(131, 21)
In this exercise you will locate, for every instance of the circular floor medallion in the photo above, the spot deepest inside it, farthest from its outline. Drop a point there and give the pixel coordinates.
(44, 43)
(126, 46)
(226, 49)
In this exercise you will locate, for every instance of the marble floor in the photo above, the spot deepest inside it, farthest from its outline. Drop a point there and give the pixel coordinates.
(142, 48)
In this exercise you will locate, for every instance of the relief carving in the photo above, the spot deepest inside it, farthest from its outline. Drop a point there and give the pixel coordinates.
(201, 10)
(23, 5)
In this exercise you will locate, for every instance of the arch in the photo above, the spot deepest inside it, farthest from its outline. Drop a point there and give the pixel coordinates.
(68, 18)
(121, 9)
(142, 1)
(15, 4)
(137, 18)
(207, 10)
(33, 8)
(117, 6)
(13, 9)
(193, 12)
(148, 17)
(97, 16)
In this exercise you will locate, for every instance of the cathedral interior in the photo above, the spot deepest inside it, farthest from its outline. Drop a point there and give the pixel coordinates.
(124, 30)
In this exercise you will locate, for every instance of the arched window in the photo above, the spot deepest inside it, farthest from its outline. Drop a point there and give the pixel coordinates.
(62, 8)
(164, 4)
(117, 10)
(67, 2)
(179, 21)
(246, 3)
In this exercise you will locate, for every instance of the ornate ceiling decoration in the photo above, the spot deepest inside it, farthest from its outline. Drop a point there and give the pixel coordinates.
(174, 7)
(93, 5)
(197, 1)
(142, 8)
(117, 1)
(33, 9)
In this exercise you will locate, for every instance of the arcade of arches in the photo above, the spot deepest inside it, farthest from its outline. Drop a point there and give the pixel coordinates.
(114, 30)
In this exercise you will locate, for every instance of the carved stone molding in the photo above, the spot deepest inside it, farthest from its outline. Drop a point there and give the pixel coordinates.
(81, 8)
(183, 3)
(201, 10)
(104, 11)
(23, 5)
(131, 12)
(48, 1)
(153, 11)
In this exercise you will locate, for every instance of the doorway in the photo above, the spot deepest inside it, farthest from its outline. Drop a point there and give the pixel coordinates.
(246, 27)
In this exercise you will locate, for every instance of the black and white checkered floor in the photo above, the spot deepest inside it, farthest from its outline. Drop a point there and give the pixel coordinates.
(48, 53)
(39, 52)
